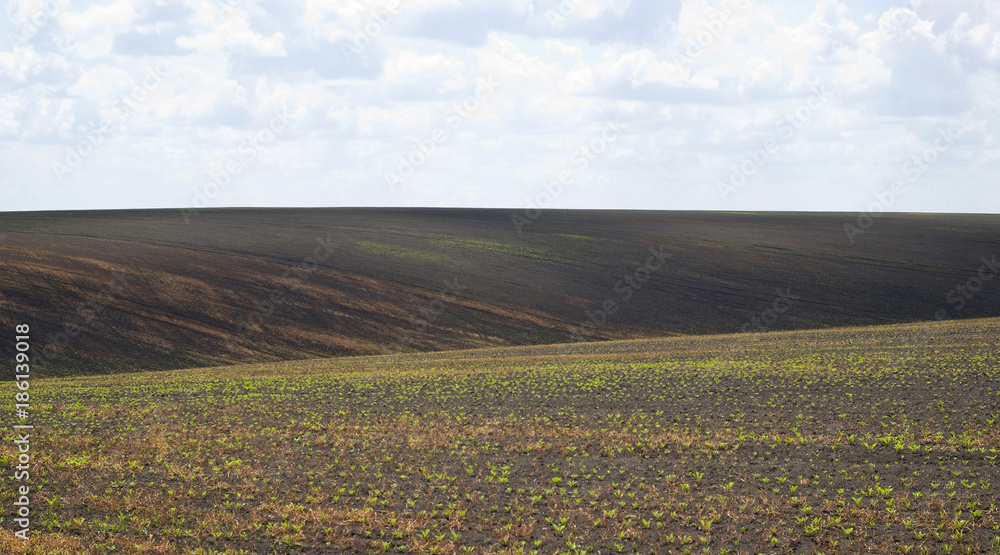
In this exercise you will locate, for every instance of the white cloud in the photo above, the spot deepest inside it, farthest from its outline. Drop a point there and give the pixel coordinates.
(11, 115)
(195, 91)
(695, 83)
(101, 82)
(230, 31)
(117, 14)
(19, 64)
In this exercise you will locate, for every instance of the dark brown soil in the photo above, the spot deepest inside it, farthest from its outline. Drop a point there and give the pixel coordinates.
(168, 294)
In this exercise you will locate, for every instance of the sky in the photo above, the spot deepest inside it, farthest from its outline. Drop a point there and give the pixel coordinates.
(832, 105)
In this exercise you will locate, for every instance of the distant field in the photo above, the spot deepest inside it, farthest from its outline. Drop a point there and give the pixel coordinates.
(863, 440)
(143, 290)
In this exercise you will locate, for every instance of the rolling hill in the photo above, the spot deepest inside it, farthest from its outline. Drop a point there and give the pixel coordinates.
(117, 291)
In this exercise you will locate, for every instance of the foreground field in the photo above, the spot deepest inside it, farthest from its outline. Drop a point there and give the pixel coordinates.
(867, 440)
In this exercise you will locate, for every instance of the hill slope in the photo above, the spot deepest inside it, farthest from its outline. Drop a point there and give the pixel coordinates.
(137, 290)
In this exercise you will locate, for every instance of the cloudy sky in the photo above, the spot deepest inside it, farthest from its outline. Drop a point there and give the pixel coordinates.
(654, 104)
